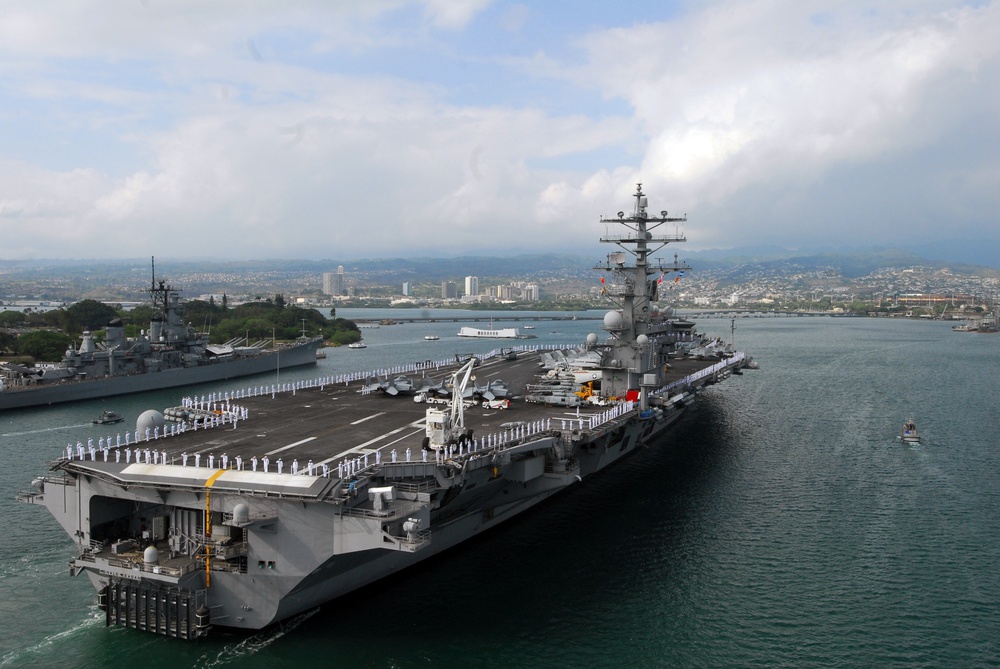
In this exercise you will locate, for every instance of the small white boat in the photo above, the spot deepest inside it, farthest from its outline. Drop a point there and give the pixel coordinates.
(431, 337)
(357, 344)
(909, 432)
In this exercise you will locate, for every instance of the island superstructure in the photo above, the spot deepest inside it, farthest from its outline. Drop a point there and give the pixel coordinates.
(241, 509)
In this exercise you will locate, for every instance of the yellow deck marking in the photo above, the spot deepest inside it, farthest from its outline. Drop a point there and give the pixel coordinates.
(208, 524)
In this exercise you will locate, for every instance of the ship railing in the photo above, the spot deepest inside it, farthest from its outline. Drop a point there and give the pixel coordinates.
(343, 491)
(188, 544)
(132, 565)
(29, 496)
(227, 518)
(266, 494)
(409, 542)
(702, 373)
(224, 549)
(420, 537)
(359, 512)
(617, 413)
(238, 567)
(423, 485)
(228, 551)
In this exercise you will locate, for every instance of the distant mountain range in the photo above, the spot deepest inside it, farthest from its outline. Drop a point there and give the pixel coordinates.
(849, 263)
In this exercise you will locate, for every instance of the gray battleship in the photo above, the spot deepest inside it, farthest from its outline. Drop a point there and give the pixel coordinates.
(170, 355)
(241, 509)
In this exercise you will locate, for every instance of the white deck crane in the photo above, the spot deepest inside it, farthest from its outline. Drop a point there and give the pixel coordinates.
(446, 428)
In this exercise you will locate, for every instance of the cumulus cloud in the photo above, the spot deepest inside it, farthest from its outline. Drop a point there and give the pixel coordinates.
(774, 97)
(345, 130)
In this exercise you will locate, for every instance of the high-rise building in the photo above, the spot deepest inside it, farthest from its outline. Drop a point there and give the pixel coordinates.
(407, 289)
(449, 290)
(333, 282)
(472, 285)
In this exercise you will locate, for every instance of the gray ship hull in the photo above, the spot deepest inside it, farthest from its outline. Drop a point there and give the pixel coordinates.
(341, 575)
(301, 540)
(74, 391)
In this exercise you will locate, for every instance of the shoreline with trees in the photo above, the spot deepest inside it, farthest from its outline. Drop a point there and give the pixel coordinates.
(46, 335)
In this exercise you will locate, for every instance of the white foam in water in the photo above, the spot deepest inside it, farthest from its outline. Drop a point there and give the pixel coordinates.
(20, 656)
(257, 642)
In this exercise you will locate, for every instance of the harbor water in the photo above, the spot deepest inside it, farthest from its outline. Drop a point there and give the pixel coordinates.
(781, 523)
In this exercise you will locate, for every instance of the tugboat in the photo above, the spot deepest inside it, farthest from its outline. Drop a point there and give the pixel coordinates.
(909, 432)
(109, 417)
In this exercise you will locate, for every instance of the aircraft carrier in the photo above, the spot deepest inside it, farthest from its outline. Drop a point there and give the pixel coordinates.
(243, 508)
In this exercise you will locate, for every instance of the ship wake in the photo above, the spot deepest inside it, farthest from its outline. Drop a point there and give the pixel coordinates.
(237, 652)
(21, 656)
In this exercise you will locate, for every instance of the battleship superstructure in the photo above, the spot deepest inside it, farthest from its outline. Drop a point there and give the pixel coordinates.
(243, 509)
(169, 355)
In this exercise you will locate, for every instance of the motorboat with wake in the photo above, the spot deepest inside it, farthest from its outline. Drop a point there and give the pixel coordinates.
(908, 434)
(109, 417)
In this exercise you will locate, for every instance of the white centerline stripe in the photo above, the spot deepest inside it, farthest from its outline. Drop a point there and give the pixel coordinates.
(285, 448)
(405, 436)
(380, 413)
(357, 449)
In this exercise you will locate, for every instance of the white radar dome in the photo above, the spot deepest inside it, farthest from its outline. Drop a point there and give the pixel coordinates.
(241, 514)
(613, 320)
(642, 340)
(151, 555)
(592, 338)
(151, 419)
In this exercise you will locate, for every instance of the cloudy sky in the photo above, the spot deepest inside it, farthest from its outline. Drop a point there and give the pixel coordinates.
(362, 128)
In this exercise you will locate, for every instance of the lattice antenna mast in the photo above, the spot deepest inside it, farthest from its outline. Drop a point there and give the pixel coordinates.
(636, 238)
